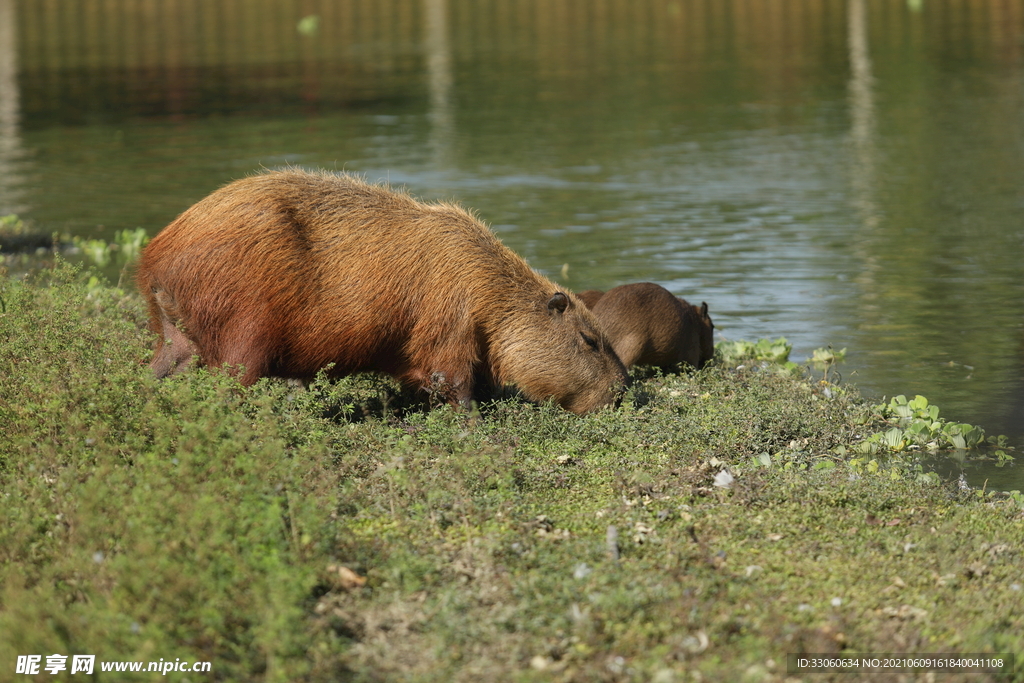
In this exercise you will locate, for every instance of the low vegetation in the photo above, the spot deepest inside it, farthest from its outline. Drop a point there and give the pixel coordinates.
(342, 532)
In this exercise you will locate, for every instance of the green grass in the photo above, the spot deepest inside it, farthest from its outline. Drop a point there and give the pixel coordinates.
(193, 518)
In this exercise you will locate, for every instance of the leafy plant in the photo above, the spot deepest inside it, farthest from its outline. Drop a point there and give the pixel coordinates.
(17, 235)
(11, 224)
(917, 423)
(127, 245)
(97, 251)
(776, 351)
(827, 355)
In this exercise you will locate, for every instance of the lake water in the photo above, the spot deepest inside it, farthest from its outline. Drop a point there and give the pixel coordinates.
(836, 172)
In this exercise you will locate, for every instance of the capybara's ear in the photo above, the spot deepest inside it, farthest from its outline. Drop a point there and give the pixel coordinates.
(704, 310)
(558, 302)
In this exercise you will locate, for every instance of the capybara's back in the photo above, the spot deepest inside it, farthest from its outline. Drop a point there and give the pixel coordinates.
(288, 272)
(590, 297)
(648, 325)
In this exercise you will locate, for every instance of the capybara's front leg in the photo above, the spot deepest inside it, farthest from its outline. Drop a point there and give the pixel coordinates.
(454, 387)
(443, 353)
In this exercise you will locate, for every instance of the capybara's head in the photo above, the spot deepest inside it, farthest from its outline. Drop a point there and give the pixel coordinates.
(563, 355)
(706, 334)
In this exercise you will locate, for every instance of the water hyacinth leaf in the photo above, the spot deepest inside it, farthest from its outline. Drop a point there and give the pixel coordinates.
(785, 369)
(827, 355)
(975, 435)
(777, 350)
(894, 439)
(130, 243)
(903, 411)
(732, 351)
(963, 435)
(918, 427)
(12, 220)
(96, 251)
(924, 427)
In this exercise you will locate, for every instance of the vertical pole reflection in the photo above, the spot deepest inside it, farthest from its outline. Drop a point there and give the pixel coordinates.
(862, 110)
(864, 153)
(10, 140)
(439, 81)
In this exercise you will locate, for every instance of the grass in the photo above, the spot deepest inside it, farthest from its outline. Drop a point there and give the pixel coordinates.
(341, 533)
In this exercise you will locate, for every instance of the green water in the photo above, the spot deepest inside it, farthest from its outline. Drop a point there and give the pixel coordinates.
(844, 173)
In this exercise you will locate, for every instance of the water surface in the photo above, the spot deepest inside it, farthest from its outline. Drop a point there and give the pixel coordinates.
(844, 173)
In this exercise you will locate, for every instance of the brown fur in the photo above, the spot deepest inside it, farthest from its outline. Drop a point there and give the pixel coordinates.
(590, 297)
(287, 272)
(650, 326)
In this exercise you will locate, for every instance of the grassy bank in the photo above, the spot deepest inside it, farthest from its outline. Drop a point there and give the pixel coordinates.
(713, 524)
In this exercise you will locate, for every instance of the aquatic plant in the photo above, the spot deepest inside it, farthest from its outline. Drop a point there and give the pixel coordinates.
(127, 246)
(773, 351)
(917, 423)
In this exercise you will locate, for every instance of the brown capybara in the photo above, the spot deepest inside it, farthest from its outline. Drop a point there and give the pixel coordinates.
(650, 326)
(288, 272)
(590, 297)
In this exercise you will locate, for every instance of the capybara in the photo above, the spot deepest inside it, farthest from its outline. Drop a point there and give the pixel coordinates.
(590, 297)
(650, 326)
(288, 272)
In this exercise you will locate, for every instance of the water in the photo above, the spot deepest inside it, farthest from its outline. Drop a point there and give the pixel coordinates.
(844, 173)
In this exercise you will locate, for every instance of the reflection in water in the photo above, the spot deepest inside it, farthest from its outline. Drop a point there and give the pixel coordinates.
(10, 141)
(863, 137)
(862, 109)
(439, 79)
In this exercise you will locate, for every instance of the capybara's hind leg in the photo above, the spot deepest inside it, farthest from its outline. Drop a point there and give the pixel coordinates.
(246, 352)
(629, 349)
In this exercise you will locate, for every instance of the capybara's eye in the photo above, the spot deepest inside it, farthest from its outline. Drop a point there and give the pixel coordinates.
(591, 342)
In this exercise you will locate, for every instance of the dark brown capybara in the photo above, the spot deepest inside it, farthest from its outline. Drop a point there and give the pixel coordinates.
(590, 297)
(648, 325)
(287, 272)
